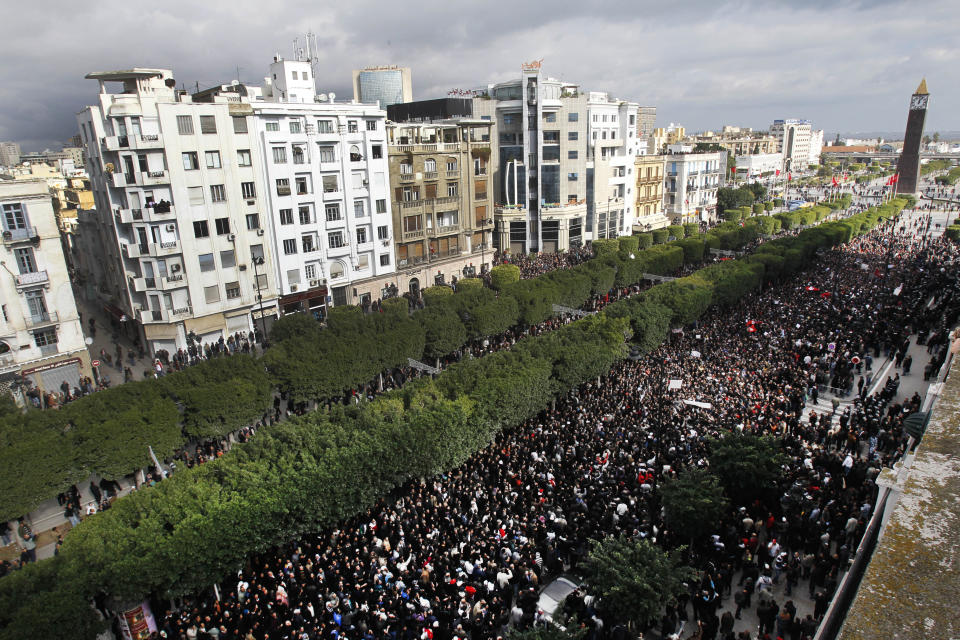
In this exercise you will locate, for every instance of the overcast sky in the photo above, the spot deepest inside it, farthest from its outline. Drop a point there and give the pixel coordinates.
(847, 66)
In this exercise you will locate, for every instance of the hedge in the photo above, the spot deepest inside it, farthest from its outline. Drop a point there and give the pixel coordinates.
(645, 240)
(660, 236)
(677, 231)
(504, 274)
(313, 471)
(732, 215)
(469, 283)
(691, 228)
(432, 294)
(758, 208)
(605, 246)
(629, 244)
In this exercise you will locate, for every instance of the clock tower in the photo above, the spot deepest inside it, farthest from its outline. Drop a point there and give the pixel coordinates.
(909, 165)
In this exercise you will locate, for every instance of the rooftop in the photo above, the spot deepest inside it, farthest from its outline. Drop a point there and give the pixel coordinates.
(129, 74)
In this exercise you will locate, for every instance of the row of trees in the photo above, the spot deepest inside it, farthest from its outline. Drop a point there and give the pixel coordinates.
(314, 471)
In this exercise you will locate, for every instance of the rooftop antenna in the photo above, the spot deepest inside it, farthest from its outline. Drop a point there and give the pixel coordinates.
(312, 57)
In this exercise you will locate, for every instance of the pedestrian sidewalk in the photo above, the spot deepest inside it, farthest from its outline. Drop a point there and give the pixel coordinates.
(105, 340)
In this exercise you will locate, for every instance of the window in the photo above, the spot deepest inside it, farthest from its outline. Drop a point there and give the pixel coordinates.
(333, 212)
(358, 209)
(383, 233)
(376, 151)
(299, 156)
(573, 116)
(572, 177)
(185, 125)
(222, 225)
(273, 126)
(306, 214)
(13, 217)
(572, 154)
(190, 161)
(208, 124)
(243, 157)
(211, 294)
(327, 154)
(410, 195)
(25, 261)
(363, 261)
(382, 205)
(310, 271)
(430, 165)
(289, 247)
(295, 126)
(330, 184)
(412, 223)
(385, 260)
(308, 243)
(213, 159)
(217, 193)
(451, 165)
(303, 185)
(228, 259)
(239, 126)
(550, 117)
(451, 189)
(633, 119)
(206, 262)
(361, 235)
(325, 126)
(233, 290)
(406, 168)
(200, 229)
(573, 135)
(293, 276)
(248, 189)
(352, 126)
(335, 239)
(371, 125)
(604, 117)
(283, 186)
(279, 155)
(253, 221)
(45, 338)
(294, 74)
(37, 305)
(286, 216)
(509, 118)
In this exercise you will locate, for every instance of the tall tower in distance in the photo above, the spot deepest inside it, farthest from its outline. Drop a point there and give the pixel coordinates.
(909, 165)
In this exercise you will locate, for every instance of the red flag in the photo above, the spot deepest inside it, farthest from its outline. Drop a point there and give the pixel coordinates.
(896, 178)
(824, 294)
(778, 172)
(789, 177)
(812, 288)
(834, 180)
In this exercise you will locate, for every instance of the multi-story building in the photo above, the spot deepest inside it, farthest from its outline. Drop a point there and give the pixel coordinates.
(178, 190)
(442, 213)
(690, 186)
(563, 162)
(649, 190)
(382, 86)
(758, 164)
(646, 123)
(740, 140)
(816, 146)
(41, 340)
(664, 136)
(9, 154)
(328, 192)
(794, 137)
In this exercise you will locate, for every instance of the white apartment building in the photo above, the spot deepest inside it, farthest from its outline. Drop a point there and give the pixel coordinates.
(328, 193)
(41, 340)
(178, 183)
(563, 162)
(690, 186)
(757, 164)
(794, 136)
(816, 145)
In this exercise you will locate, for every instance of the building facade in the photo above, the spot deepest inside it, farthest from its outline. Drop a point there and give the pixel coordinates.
(442, 213)
(327, 197)
(9, 154)
(177, 188)
(816, 146)
(690, 186)
(563, 162)
(794, 140)
(646, 123)
(649, 171)
(41, 338)
(756, 165)
(382, 86)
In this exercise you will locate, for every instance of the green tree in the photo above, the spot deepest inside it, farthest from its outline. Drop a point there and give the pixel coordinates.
(746, 465)
(504, 274)
(693, 502)
(444, 332)
(759, 191)
(635, 579)
(730, 198)
(549, 632)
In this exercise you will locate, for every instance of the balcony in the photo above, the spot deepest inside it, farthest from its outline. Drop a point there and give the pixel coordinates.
(447, 229)
(127, 216)
(168, 248)
(183, 311)
(154, 178)
(413, 235)
(171, 282)
(406, 263)
(147, 315)
(24, 234)
(148, 141)
(454, 173)
(410, 206)
(164, 210)
(481, 246)
(480, 195)
(430, 175)
(115, 143)
(138, 284)
(42, 320)
(407, 177)
(442, 147)
(132, 251)
(482, 171)
(49, 350)
(32, 279)
(118, 180)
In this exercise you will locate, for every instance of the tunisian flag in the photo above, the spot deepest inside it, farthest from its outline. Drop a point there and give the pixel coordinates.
(790, 177)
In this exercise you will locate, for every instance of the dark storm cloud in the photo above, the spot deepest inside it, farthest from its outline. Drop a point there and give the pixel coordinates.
(844, 65)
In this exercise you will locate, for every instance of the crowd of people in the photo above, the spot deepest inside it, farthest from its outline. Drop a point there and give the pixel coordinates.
(534, 264)
(462, 555)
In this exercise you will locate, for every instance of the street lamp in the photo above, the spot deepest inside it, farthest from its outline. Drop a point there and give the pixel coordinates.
(257, 261)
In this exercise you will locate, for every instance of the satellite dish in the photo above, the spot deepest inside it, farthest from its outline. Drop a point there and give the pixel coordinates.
(333, 96)
(88, 340)
(234, 82)
(322, 97)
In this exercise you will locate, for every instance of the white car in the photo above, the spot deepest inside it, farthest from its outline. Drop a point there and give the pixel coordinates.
(554, 594)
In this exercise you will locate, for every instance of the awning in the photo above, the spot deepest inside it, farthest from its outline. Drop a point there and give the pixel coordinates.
(160, 331)
(206, 324)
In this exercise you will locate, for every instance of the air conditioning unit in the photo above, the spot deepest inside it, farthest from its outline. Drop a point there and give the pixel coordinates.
(365, 182)
(232, 237)
(314, 283)
(293, 288)
(171, 227)
(175, 267)
(386, 243)
(259, 232)
(251, 202)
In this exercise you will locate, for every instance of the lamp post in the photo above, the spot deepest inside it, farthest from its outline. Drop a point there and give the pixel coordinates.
(257, 261)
